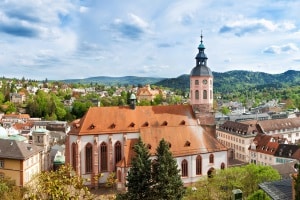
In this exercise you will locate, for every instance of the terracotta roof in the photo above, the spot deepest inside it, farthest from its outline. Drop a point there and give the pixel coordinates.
(103, 120)
(267, 144)
(16, 116)
(183, 140)
(277, 124)
(17, 150)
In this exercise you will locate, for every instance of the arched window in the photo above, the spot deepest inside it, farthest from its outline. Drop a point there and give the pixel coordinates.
(184, 168)
(88, 158)
(223, 166)
(198, 165)
(74, 156)
(204, 94)
(211, 158)
(118, 152)
(119, 176)
(196, 82)
(103, 156)
(197, 94)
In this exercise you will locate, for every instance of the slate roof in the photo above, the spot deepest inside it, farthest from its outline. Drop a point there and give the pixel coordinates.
(287, 150)
(241, 128)
(17, 150)
(278, 190)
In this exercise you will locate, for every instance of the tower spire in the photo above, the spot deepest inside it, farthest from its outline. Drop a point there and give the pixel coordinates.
(201, 41)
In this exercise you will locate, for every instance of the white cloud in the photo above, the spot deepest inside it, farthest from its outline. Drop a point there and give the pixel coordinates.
(287, 48)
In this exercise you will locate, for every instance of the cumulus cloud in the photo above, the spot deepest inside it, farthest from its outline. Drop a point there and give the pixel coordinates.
(245, 26)
(134, 28)
(287, 48)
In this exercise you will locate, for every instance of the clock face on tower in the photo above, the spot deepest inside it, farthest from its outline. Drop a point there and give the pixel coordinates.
(204, 81)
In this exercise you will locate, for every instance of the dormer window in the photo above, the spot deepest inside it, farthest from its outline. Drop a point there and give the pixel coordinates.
(132, 124)
(165, 123)
(146, 124)
(92, 126)
(187, 144)
(113, 125)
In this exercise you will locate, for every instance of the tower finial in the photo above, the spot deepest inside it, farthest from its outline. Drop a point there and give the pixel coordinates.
(201, 37)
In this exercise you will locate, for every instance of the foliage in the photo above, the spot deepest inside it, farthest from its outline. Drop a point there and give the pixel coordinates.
(9, 190)
(61, 184)
(225, 110)
(111, 180)
(139, 177)
(166, 176)
(245, 178)
(258, 195)
(296, 180)
(162, 182)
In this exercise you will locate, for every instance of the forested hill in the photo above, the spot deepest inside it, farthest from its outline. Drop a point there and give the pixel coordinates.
(239, 80)
(106, 80)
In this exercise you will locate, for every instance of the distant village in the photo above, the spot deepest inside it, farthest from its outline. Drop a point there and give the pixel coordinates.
(201, 138)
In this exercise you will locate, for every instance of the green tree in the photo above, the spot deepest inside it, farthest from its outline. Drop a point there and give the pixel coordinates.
(225, 110)
(9, 190)
(258, 195)
(166, 177)
(220, 186)
(139, 177)
(61, 184)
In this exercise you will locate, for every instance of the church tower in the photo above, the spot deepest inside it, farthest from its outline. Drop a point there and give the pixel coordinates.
(201, 88)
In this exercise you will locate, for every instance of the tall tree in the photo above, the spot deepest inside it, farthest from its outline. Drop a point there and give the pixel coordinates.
(60, 184)
(166, 177)
(139, 177)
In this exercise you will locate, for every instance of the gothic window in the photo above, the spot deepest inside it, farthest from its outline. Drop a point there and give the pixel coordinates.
(118, 152)
(103, 156)
(184, 168)
(211, 158)
(88, 158)
(197, 94)
(74, 156)
(204, 94)
(198, 165)
(196, 82)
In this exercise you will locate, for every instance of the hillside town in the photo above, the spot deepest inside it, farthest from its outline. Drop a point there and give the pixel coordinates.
(201, 138)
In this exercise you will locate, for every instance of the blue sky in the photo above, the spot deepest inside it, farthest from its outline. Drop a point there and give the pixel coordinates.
(83, 38)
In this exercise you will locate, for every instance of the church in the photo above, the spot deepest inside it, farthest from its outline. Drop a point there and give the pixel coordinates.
(102, 141)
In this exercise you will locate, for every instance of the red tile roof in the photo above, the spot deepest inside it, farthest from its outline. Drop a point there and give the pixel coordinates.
(103, 120)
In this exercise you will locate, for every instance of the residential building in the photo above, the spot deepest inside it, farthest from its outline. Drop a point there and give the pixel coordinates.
(288, 128)
(146, 93)
(237, 136)
(19, 160)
